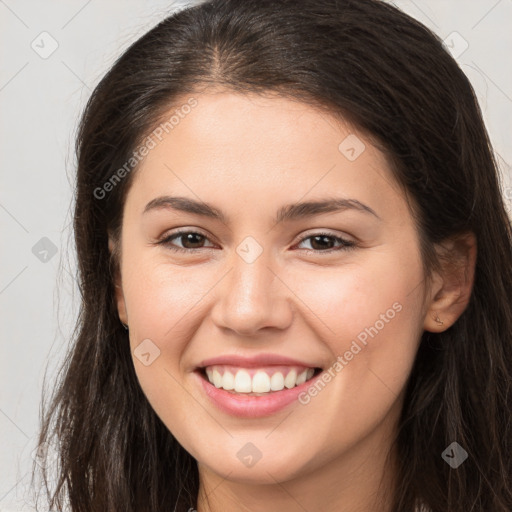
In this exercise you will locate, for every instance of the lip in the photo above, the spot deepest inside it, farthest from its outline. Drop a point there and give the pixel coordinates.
(258, 360)
(251, 406)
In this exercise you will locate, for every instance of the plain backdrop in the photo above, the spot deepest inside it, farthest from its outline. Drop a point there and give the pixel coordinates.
(53, 53)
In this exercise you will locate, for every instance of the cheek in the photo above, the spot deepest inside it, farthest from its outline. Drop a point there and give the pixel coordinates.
(369, 317)
(369, 313)
(348, 298)
(161, 297)
(162, 303)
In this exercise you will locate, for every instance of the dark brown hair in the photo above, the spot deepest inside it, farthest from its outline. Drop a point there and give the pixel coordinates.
(372, 65)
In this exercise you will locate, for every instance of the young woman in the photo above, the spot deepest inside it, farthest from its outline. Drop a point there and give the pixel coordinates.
(295, 270)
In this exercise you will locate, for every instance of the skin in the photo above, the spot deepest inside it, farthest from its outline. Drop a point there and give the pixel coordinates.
(329, 454)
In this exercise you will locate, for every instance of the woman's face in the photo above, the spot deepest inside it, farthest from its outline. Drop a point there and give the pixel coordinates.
(339, 289)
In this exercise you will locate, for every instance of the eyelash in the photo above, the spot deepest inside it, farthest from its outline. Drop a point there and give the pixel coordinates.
(345, 244)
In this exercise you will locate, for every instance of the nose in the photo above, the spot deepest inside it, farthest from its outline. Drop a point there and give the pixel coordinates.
(252, 296)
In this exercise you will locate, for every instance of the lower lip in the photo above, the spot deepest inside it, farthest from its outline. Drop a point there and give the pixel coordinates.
(251, 406)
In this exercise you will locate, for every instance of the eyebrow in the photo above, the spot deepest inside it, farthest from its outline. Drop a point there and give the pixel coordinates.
(287, 212)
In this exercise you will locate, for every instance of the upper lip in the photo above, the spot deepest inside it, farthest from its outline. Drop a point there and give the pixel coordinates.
(255, 361)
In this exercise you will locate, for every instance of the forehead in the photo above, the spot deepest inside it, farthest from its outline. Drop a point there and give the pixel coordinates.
(256, 123)
(233, 145)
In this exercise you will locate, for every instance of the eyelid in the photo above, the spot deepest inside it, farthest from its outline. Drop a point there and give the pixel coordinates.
(325, 232)
(346, 244)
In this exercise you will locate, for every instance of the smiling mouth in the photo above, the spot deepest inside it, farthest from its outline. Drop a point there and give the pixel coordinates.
(257, 381)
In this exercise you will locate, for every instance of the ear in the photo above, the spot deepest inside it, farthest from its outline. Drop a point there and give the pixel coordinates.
(453, 284)
(121, 304)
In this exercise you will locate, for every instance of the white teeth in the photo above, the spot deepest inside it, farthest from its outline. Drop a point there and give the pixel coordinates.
(228, 381)
(290, 379)
(302, 377)
(243, 382)
(277, 382)
(217, 379)
(261, 382)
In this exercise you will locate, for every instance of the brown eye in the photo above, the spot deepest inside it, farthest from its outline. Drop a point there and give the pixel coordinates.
(189, 239)
(324, 242)
(320, 242)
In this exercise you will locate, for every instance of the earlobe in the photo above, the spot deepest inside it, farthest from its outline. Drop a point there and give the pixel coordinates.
(111, 244)
(120, 301)
(458, 261)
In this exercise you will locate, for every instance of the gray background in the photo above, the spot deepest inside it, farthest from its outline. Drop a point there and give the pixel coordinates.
(41, 96)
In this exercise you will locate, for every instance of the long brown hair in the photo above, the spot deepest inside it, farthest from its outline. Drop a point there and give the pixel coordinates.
(366, 62)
